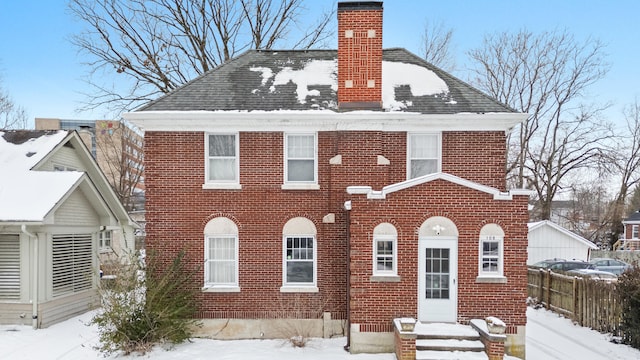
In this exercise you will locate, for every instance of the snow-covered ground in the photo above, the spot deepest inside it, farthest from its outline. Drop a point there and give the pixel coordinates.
(549, 337)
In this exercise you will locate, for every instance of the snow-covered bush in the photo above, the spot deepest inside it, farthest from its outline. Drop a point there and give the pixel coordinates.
(628, 288)
(145, 305)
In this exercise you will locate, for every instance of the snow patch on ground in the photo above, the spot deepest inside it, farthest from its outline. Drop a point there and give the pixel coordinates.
(549, 336)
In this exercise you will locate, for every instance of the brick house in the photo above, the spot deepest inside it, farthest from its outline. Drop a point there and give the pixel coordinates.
(344, 188)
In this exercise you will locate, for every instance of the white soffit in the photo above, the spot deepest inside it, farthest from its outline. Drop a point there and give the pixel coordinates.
(320, 120)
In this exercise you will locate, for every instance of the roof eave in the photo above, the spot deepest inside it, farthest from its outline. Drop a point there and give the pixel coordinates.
(320, 120)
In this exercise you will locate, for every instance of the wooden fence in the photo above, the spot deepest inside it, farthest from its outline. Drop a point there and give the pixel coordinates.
(590, 303)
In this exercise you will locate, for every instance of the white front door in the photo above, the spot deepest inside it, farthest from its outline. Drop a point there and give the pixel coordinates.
(437, 279)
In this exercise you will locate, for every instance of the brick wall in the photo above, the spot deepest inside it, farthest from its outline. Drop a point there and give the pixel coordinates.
(470, 210)
(178, 209)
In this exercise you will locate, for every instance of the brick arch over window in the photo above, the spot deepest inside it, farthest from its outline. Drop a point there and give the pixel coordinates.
(299, 256)
(438, 226)
(221, 255)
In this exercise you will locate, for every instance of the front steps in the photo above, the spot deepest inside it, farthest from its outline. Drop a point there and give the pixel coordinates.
(439, 341)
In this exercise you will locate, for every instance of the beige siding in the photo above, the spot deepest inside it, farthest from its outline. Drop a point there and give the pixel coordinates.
(67, 307)
(76, 211)
(66, 157)
(15, 314)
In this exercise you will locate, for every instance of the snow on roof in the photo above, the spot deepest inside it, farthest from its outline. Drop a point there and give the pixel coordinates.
(26, 194)
(420, 80)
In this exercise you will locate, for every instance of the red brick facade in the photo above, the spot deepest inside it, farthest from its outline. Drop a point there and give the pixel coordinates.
(178, 209)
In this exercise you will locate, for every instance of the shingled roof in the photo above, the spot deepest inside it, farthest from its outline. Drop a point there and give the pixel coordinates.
(271, 80)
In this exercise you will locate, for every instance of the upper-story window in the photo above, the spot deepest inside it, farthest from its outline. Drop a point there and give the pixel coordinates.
(301, 159)
(222, 153)
(423, 155)
(634, 231)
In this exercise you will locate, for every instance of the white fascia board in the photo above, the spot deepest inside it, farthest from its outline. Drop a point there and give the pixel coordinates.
(382, 194)
(320, 120)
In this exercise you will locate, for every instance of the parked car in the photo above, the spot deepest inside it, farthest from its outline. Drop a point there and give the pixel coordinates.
(611, 265)
(568, 265)
(595, 274)
(546, 263)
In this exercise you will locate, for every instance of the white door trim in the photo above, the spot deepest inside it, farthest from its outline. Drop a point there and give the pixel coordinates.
(438, 310)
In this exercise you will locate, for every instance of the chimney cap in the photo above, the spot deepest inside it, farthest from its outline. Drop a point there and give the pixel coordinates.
(359, 5)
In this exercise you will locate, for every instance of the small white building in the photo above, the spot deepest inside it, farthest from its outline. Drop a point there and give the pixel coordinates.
(549, 241)
(58, 217)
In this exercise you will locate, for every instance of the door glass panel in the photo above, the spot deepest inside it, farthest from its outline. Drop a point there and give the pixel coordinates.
(437, 274)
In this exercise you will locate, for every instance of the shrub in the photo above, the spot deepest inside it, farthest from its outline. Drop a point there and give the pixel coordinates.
(628, 288)
(147, 305)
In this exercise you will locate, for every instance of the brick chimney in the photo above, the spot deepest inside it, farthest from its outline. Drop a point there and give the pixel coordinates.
(360, 55)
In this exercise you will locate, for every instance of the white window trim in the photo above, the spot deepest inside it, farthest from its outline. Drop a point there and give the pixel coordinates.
(300, 185)
(394, 258)
(221, 184)
(635, 230)
(214, 287)
(492, 274)
(103, 248)
(299, 287)
(408, 150)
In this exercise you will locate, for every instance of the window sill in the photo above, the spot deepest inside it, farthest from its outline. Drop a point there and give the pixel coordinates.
(384, 278)
(299, 289)
(222, 186)
(300, 187)
(221, 289)
(497, 279)
(105, 250)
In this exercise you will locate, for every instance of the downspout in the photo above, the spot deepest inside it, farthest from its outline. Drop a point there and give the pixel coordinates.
(347, 207)
(34, 279)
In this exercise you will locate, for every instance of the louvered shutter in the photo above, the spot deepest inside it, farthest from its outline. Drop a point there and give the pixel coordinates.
(72, 263)
(9, 267)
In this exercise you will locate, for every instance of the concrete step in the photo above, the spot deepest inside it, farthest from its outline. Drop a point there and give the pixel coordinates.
(449, 345)
(450, 355)
(445, 331)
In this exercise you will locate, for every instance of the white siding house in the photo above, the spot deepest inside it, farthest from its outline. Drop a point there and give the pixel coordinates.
(55, 205)
(548, 241)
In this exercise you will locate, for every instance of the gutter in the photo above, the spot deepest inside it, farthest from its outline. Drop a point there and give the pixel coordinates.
(34, 278)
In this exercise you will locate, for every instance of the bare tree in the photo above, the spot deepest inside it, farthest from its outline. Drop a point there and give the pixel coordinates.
(436, 45)
(121, 160)
(12, 116)
(158, 45)
(546, 76)
(624, 162)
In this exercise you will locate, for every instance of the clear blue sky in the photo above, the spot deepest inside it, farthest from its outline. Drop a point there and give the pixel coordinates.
(42, 71)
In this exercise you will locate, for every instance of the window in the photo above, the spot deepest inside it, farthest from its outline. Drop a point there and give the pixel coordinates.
(491, 251)
(222, 158)
(221, 255)
(72, 263)
(9, 267)
(634, 231)
(300, 158)
(424, 155)
(299, 256)
(384, 250)
(105, 239)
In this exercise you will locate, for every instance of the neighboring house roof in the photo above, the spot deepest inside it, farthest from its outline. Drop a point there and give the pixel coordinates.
(536, 225)
(271, 80)
(633, 218)
(29, 194)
